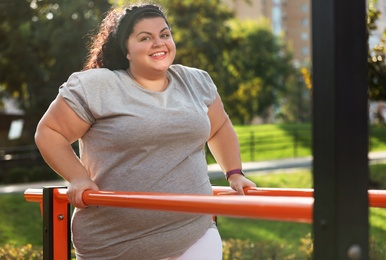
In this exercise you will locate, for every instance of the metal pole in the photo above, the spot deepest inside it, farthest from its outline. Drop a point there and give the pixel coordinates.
(340, 132)
(56, 226)
(48, 224)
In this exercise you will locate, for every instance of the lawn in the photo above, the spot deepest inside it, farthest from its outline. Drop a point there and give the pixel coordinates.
(277, 141)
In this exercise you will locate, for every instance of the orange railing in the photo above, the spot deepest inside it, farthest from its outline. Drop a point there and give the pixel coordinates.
(293, 205)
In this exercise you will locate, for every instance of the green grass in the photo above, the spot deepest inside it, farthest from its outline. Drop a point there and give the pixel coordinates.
(276, 141)
(262, 142)
(20, 221)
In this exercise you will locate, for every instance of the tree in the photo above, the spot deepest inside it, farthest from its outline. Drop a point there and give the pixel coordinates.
(260, 60)
(295, 104)
(247, 62)
(202, 35)
(376, 58)
(43, 42)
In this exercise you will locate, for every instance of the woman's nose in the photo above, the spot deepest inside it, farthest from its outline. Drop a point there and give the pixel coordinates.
(158, 42)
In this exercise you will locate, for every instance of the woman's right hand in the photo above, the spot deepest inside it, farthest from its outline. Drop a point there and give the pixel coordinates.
(77, 187)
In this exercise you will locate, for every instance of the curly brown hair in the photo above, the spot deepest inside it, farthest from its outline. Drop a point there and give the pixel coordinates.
(108, 48)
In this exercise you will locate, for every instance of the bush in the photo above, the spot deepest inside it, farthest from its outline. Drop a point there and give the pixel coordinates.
(27, 252)
(237, 249)
(377, 250)
(377, 176)
(233, 249)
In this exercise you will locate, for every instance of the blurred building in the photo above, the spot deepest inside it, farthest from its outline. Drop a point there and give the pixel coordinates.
(290, 19)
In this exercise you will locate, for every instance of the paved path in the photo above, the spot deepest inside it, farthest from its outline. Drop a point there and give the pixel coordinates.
(214, 171)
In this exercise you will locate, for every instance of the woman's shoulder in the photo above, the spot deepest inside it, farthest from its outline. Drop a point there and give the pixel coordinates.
(191, 74)
(95, 74)
(92, 78)
(197, 80)
(182, 69)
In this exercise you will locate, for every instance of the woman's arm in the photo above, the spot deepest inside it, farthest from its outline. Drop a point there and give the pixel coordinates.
(224, 145)
(57, 130)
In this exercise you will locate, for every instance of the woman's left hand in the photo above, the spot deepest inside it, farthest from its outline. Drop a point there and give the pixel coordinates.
(238, 182)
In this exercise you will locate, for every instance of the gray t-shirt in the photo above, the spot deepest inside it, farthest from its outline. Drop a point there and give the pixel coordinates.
(140, 140)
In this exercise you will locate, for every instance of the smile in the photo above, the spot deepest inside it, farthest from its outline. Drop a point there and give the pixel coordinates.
(158, 54)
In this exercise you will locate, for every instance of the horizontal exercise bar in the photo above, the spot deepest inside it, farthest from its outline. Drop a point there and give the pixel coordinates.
(293, 205)
(377, 198)
(261, 207)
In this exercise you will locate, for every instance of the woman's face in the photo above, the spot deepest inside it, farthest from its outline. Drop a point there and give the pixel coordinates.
(151, 47)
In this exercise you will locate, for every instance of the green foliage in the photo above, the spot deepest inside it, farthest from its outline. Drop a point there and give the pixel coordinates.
(43, 42)
(376, 58)
(237, 249)
(295, 104)
(378, 177)
(200, 32)
(264, 65)
(27, 252)
(377, 137)
(246, 101)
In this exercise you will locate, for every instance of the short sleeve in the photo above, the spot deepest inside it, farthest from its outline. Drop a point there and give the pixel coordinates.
(210, 89)
(199, 81)
(73, 93)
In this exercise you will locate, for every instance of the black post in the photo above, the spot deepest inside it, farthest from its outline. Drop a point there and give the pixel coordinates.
(48, 232)
(340, 132)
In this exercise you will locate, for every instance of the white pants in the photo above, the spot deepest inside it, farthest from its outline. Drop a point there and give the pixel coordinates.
(208, 247)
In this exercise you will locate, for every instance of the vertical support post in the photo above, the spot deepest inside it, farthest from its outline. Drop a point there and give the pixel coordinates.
(56, 226)
(48, 249)
(340, 130)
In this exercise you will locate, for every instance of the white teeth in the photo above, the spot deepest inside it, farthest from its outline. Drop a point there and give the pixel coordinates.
(158, 54)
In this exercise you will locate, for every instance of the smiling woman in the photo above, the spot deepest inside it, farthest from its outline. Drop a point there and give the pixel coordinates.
(142, 123)
(150, 52)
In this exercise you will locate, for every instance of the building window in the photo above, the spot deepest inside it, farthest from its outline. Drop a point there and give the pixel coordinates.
(304, 22)
(304, 8)
(305, 51)
(304, 36)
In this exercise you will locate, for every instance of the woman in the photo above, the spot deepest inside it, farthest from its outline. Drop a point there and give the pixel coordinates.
(142, 124)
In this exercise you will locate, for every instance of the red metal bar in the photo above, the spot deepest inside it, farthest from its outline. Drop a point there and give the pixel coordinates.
(56, 224)
(262, 207)
(61, 225)
(286, 192)
(377, 198)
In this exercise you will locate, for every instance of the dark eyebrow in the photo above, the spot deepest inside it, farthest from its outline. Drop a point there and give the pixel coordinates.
(166, 28)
